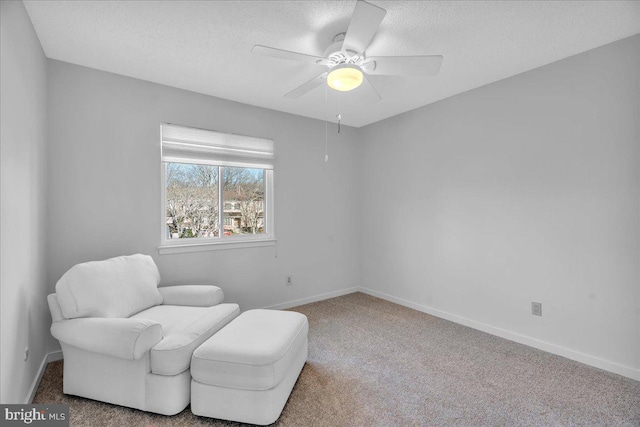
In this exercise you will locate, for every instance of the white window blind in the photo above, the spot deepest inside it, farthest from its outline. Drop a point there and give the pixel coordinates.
(182, 144)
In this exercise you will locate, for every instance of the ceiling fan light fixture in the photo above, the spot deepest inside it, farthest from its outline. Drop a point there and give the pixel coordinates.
(345, 77)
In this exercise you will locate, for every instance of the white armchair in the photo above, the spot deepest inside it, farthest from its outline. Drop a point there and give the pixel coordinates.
(126, 341)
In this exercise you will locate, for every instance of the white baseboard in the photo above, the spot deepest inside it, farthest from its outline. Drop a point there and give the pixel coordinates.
(587, 359)
(315, 298)
(49, 357)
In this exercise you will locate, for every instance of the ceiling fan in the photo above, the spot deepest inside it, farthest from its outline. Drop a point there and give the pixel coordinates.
(348, 63)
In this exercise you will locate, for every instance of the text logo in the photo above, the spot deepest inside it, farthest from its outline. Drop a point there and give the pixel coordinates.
(35, 415)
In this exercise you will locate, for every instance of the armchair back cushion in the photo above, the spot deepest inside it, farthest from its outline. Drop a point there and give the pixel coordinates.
(116, 287)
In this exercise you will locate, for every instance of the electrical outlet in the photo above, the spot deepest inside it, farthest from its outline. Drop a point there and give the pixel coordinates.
(536, 308)
(26, 353)
(289, 280)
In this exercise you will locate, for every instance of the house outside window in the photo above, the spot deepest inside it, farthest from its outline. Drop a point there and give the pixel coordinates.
(204, 170)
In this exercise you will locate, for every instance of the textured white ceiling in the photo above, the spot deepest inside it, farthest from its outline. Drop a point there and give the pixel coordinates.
(204, 46)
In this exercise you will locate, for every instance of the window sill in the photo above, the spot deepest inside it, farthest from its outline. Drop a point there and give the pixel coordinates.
(213, 246)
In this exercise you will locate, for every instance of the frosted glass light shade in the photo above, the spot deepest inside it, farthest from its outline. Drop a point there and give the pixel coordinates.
(345, 77)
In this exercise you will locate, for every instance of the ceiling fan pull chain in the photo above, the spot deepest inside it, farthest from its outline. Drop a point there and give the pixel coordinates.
(326, 141)
(339, 116)
(326, 125)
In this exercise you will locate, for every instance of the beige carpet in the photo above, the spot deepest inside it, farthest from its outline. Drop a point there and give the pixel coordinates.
(374, 363)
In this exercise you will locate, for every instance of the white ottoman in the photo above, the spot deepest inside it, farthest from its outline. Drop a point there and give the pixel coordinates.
(247, 370)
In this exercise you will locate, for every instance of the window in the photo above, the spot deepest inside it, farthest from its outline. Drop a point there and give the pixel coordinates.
(204, 170)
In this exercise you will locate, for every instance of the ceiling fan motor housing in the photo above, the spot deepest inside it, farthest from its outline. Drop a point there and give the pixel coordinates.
(336, 55)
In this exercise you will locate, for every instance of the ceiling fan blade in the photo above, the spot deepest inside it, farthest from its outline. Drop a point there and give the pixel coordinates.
(367, 92)
(364, 23)
(287, 54)
(307, 87)
(426, 65)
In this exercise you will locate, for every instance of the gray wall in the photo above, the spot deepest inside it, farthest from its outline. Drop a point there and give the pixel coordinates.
(523, 190)
(104, 188)
(25, 318)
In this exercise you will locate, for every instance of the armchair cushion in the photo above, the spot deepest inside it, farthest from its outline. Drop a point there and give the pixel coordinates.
(116, 287)
(192, 295)
(123, 338)
(185, 328)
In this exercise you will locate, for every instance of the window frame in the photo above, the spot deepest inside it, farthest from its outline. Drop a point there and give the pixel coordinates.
(168, 246)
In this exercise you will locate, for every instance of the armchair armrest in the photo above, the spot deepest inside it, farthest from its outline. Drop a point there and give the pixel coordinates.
(124, 338)
(192, 295)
